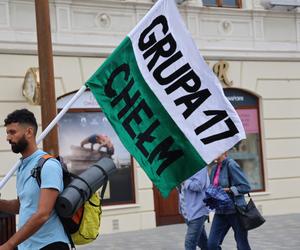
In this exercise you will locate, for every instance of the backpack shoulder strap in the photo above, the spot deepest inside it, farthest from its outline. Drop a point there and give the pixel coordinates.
(36, 172)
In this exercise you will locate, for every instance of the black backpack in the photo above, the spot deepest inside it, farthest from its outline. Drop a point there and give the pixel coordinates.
(71, 225)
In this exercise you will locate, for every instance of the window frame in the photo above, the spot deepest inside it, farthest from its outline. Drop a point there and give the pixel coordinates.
(257, 107)
(106, 202)
(219, 3)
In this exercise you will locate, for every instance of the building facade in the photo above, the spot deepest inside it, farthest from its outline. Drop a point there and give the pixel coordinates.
(255, 53)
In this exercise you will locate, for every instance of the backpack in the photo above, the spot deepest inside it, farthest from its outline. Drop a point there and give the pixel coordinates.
(83, 226)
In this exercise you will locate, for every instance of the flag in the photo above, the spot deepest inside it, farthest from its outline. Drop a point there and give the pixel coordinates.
(165, 104)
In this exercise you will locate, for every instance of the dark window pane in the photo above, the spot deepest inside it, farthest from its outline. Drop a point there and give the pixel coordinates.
(210, 2)
(230, 3)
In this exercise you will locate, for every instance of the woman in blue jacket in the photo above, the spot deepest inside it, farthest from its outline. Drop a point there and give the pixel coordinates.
(228, 174)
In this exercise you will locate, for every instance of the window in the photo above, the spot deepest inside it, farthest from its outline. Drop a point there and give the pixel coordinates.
(86, 120)
(223, 3)
(248, 152)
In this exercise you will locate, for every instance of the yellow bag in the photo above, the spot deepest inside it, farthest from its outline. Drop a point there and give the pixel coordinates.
(90, 221)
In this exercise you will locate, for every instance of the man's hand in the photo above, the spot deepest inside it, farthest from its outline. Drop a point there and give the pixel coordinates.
(227, 190)
(47, 200)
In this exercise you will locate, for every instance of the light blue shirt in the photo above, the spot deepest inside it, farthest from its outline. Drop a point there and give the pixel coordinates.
(191, 196)
(28, 192)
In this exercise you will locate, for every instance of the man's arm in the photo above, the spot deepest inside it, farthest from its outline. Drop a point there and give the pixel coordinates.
(48, 197)
(10, 206)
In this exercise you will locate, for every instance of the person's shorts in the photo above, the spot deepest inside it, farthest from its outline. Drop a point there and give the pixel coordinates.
(92, 139)
(56, 246)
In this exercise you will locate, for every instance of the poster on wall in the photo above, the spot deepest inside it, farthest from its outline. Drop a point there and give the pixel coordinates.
(85, 135)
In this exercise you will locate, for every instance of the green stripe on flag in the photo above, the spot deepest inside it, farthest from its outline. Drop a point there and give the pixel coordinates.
(143, 125)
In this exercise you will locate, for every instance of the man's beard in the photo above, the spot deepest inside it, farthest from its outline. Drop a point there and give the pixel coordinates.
(19, 146)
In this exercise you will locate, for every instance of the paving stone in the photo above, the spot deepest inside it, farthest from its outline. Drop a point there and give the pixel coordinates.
(278, 233)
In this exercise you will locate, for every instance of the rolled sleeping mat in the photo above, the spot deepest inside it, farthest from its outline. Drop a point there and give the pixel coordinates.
(83, 186)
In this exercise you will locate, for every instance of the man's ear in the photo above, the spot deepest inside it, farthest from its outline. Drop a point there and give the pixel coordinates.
(30, 132)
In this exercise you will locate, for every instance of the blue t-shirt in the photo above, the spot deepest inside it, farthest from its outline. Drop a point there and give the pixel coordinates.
(28, 192)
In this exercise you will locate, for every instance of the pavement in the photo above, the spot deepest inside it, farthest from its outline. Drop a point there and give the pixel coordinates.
(280, 232)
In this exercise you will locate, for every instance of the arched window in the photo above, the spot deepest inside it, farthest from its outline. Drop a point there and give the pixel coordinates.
(84, 136)
(248, 152)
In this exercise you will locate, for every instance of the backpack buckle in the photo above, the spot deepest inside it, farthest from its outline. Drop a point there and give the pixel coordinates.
(34, 172)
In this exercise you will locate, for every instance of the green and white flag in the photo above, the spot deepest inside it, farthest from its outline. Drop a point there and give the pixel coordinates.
(165, 104)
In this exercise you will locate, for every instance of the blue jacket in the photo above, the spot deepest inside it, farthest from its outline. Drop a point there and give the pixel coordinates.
(232, 176)
(191, 196)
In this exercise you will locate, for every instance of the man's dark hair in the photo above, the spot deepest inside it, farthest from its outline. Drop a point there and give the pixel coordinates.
(22, 116)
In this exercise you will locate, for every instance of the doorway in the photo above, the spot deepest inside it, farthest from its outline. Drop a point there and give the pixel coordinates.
(166, 210)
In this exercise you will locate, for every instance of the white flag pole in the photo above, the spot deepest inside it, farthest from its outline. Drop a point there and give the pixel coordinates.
(44, 133)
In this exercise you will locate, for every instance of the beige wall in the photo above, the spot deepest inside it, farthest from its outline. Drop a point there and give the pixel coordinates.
(278, 84)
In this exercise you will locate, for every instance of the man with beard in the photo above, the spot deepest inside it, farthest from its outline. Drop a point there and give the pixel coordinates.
(39, 226)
